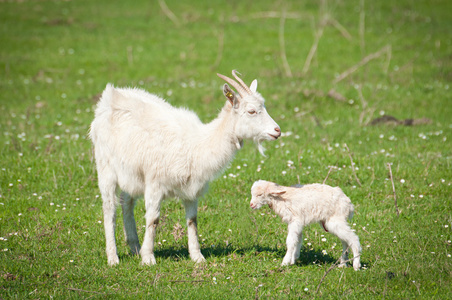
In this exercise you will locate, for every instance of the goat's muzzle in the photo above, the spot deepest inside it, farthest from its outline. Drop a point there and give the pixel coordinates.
(277, 135)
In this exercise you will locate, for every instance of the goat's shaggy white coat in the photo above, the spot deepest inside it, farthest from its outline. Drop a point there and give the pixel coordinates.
(301, 206)
(145, 146)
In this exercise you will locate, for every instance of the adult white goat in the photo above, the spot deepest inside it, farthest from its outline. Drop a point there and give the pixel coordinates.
(145, 146)
(301, 206)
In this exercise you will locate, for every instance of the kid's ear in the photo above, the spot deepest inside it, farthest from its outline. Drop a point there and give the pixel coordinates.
(276, 191)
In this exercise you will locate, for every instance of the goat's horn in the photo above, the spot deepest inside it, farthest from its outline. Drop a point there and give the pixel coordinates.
(247, 89)
(234, 84)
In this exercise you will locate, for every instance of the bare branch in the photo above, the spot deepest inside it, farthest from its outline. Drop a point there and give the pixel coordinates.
(393, 189)
(220, 46)
(84, 291)
(353, 165)
(386, 50)
(313, 49)
(168, 12)
(339, 27)
(282, 45)
(362, 27)
(331, 268)
(329, 171)
(276, 15)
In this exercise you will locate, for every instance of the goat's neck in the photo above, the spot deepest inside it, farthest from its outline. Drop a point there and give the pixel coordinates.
(220, 142)
(282, 209)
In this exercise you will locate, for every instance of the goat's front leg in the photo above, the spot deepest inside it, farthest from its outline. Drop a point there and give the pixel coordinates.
(293, 242)
(191, 212)
(152, 202)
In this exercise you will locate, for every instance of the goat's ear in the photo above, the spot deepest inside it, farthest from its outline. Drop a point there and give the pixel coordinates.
(253, 86)
(277, 192)
(230, 95)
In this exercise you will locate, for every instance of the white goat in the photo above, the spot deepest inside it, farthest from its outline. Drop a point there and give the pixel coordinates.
(145, 146)
(301, 206)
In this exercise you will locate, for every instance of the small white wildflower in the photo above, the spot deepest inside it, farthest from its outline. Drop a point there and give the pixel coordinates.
(306, 289)
(446, 226)
(71, 261)
(324, 240)
(402, 180)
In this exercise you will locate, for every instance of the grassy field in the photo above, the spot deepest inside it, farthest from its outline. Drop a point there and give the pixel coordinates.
(327, 70)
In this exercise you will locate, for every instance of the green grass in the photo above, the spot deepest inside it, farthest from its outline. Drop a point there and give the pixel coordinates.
(56, 58)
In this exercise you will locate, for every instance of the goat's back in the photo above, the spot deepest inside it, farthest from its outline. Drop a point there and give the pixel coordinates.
(137, 134)
(320, 200)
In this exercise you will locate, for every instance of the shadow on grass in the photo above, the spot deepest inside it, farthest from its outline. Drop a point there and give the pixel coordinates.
(307, 257)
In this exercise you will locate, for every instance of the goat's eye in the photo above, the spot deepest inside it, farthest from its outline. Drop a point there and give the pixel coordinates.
(252, 112)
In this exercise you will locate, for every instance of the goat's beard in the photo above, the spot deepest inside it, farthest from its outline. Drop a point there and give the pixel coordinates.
(258, 141)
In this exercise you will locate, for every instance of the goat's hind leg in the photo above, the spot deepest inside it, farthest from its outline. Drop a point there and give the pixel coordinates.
(130, 227)
(349, 239)
(191, 212)
(152, 199)
(107, 188)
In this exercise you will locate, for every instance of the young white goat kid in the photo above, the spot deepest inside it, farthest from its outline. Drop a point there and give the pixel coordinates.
(145, 146)
(301, 206)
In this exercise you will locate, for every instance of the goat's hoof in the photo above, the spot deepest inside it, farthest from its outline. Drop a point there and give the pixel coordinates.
(148, 261)
(199, 259)
(113, 261)
(287, 263)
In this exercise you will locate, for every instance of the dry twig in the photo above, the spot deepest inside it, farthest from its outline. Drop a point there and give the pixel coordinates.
(84, 291)
(313, 49)
(386, 50)
(339, 27)
(220, 46)
(393, 189)
(331, 268)
(276, 14)
(282, 45)
(168, 12)
(329, 171)
(353, 165)
(362, 26)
